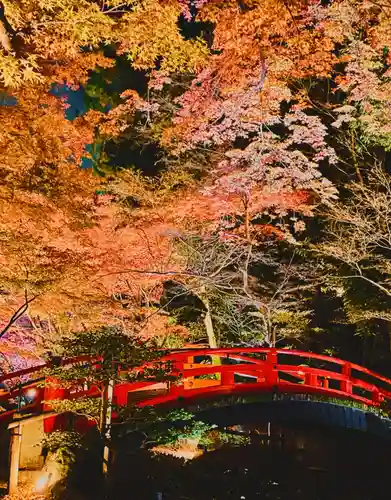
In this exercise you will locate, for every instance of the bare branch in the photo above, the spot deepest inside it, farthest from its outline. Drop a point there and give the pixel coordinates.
(17, 314)
(372, 282)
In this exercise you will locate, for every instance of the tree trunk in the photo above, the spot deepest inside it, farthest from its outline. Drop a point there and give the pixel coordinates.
(4, 38)
(354, 157)
(274, 339)
(208, 320)
(246, 220)
(5, 29)
(106, 415)
(209, 328)
(103, 409)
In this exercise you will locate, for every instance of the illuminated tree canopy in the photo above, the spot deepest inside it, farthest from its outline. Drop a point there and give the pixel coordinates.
(221, 147)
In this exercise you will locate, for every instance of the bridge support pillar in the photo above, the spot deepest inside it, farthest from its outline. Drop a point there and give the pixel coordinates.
(346, 385)
(311, 379)
(15, 449)
(270, 370)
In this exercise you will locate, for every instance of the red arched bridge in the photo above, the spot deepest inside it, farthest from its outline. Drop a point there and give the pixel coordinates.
(201, 373)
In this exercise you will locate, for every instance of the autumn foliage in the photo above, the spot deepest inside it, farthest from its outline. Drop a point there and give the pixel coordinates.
(248, 143)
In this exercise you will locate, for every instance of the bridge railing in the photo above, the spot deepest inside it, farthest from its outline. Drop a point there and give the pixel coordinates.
(209, 372)
(232, 370)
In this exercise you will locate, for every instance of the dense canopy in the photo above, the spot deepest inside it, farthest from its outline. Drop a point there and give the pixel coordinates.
(196, 170)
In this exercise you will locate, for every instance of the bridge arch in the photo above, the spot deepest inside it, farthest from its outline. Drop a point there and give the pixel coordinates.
(198, 375)
(209, 373)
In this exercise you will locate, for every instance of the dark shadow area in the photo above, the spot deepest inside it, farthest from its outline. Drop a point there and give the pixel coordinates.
(281, 462)
(84, 480)
(127, 153)
(4, 453)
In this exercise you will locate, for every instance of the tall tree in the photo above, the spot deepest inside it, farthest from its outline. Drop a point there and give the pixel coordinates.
(248, 122)
(357, 248)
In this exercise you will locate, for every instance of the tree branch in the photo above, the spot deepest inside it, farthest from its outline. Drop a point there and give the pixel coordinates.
(18, 313)
(377, 285)
(157, 273)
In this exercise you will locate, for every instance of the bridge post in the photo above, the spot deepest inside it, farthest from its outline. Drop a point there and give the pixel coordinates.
(227, 377)
(377, 396)
(311, 379)
(173, 388)
(346, 385)
(271, 370)
(15, 449)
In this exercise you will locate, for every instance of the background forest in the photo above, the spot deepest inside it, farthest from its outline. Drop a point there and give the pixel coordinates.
(210, 171)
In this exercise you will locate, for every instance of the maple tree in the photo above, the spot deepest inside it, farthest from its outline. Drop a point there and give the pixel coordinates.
(245, 293)
(248, 119)
(61, 40)
(266, 206)
(56, 241)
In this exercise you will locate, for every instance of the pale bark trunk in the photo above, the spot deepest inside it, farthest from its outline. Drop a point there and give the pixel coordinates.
(354, 158)
(103, 409)
(109, 392)
(274, 337)
(209, 329)
(4, 38)
(246, 220)
(208, 321)
(5, 30)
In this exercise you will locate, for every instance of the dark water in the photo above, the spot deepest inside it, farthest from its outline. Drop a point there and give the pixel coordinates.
(281, 462)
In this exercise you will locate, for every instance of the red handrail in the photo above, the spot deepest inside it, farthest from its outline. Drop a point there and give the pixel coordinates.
(237, 370)
(269, 375)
